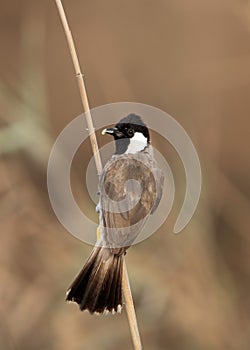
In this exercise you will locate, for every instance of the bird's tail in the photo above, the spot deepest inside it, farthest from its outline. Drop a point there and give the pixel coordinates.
(98, 286)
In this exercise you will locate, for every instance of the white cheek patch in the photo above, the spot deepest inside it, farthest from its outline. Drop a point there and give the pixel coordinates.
(137, 143)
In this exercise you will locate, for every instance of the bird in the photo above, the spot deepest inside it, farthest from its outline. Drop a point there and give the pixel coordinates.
(130, 189)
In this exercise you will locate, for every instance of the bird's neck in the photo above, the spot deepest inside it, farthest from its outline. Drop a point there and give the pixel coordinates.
(133, 145)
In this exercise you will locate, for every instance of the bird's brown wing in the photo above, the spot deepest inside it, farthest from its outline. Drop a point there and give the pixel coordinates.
(125, 204)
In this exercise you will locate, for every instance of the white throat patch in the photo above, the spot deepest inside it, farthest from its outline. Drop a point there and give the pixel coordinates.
(137, 143)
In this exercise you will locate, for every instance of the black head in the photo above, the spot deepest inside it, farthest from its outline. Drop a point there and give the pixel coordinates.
(125, 130)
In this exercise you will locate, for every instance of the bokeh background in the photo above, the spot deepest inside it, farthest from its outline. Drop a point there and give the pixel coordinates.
(187, 57)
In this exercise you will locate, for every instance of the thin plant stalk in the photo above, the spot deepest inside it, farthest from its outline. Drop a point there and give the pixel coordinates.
(83, 93)
(81, 85)
(133, 325)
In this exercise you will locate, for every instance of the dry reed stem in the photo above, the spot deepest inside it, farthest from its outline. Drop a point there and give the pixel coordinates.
(83, 93)
(130, 309)
(81, 85)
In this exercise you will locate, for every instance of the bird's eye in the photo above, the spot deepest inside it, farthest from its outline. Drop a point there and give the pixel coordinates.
(130, 132)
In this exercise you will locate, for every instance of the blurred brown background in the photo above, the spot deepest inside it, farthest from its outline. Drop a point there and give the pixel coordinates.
(187, 57)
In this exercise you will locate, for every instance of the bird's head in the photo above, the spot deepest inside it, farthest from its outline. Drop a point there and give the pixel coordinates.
(130, 133)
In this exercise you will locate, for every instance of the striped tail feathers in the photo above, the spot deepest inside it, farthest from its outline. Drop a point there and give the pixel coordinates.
(98, 286)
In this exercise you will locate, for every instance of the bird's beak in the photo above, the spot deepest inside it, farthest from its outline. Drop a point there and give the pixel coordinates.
(110, 131)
